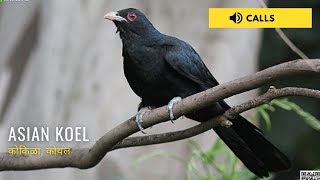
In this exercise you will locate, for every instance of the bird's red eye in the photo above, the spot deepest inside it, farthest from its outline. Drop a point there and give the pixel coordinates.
(132, 16)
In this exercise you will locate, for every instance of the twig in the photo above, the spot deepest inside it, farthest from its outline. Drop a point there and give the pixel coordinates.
(292, 46)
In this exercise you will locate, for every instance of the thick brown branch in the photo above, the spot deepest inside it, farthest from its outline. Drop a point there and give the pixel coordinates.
(230, 114)
(86, 158)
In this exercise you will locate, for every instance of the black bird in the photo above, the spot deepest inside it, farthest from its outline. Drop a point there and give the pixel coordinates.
(161, 68)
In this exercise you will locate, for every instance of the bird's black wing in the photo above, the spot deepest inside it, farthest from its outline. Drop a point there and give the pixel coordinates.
(185, 60)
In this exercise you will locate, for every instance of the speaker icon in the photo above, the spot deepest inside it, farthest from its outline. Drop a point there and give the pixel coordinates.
(236, 17)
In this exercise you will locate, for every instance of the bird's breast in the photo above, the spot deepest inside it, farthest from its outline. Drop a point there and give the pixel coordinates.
(145, 70)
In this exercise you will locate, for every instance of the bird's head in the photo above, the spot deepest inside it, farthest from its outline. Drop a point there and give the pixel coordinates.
(131, 23)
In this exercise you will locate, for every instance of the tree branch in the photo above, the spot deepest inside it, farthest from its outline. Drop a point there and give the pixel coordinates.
(86, 158)
(228, 115)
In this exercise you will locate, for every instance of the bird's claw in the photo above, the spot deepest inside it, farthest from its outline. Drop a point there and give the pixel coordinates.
(170, 107)
(139, 117)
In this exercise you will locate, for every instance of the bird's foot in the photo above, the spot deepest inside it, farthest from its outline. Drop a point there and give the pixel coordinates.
(170, 107)
(139, 117)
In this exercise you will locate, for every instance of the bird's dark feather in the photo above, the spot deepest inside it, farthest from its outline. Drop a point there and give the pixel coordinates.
(185, 60)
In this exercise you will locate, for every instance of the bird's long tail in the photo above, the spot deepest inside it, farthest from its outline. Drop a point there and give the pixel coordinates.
(246, 141)
(252, 148)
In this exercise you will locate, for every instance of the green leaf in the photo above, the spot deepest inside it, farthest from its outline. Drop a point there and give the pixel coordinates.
(308, 118)
(209, 178)
(216, 149)
(217, 145)
(233, 166)
(220, 168)
(265, 116)
(268, 107)
(191, 169)
(281, 103)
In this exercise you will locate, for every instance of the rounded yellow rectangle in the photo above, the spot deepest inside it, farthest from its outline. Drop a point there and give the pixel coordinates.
(260, 17)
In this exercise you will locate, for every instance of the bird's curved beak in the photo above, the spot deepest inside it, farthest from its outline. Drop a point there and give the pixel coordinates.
(114, 16)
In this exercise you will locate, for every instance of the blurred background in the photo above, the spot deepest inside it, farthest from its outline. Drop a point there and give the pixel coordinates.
(61, 65)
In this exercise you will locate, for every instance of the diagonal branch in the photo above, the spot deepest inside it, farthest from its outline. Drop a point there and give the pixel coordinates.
(290, 44)
(285, 38)
(230, 114)
(87, 158)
